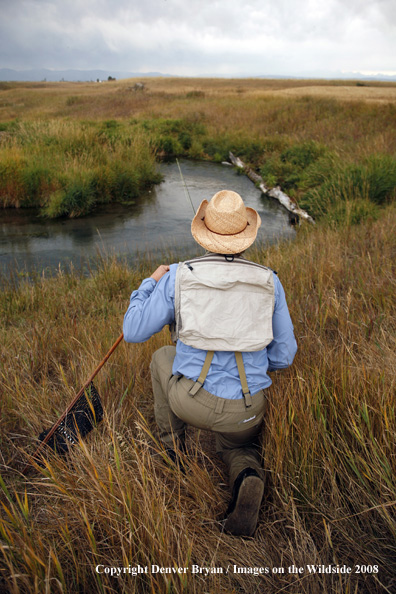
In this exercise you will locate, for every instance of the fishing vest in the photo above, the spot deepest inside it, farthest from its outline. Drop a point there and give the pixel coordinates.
(224, 303)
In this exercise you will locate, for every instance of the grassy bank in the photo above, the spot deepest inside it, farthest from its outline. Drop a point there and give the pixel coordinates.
(331, 146)
(67, 168)
(328, 444)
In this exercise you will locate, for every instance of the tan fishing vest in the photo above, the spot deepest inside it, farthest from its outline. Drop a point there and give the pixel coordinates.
(224, 304)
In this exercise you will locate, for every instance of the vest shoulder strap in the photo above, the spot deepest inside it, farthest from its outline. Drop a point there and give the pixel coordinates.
(241, 371)
(202, 376)
(242, 376)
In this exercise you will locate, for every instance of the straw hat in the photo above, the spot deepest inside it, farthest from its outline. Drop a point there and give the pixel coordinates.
(225, 225)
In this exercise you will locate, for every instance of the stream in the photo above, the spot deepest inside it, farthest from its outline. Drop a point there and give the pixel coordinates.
(158, 223)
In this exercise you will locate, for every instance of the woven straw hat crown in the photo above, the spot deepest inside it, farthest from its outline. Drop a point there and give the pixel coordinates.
(225, 225)
(226, 213)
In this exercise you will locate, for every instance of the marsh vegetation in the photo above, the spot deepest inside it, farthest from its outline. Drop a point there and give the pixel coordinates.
(67, 147)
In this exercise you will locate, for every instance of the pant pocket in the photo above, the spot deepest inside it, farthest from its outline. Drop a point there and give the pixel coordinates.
(189, 409)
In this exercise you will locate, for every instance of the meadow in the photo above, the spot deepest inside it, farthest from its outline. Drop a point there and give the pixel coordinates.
(328, 444)
(66, 147)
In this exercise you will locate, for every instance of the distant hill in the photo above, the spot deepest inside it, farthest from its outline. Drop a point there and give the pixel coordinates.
(40, 74)
(337, 76)
(380, 77)
(43, 74)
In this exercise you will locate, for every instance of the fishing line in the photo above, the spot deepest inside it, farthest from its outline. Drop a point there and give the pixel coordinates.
(187, 193)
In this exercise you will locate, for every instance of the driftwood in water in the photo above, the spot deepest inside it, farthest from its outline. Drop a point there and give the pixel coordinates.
(276, 193)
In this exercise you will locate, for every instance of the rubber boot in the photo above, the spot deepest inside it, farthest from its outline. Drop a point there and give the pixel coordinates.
(243, 510)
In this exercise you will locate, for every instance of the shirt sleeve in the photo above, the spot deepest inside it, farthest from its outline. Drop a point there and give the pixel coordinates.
(282, 349)
(151, 308)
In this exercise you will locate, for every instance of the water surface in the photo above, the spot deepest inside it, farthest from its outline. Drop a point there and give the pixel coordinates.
(159, 221)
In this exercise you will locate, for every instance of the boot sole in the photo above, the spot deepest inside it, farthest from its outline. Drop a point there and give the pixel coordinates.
(242, 521)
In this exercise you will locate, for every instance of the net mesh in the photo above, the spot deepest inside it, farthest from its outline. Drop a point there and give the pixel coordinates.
(85, 414)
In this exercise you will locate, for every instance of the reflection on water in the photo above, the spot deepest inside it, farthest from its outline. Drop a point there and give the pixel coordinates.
(159, 221)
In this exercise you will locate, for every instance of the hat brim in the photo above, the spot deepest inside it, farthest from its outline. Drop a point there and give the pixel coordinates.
(224, 244)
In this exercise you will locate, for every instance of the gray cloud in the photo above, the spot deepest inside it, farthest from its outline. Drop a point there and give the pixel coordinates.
(199, 36)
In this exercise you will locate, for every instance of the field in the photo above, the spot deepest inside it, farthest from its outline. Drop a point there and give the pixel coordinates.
(64, 148)
(328, 444)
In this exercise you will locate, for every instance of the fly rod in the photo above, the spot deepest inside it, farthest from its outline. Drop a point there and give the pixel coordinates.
(69, 409)
(186, 192)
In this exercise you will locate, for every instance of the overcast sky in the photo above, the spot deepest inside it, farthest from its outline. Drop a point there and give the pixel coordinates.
(197, 37)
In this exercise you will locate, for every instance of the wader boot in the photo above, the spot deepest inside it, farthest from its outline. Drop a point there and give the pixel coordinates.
(242, 513)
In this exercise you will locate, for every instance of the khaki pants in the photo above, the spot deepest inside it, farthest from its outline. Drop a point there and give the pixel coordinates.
(237, 428)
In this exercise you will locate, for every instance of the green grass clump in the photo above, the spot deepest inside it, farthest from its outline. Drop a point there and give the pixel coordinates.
(289, 167)
(358, 189)
(66, 168)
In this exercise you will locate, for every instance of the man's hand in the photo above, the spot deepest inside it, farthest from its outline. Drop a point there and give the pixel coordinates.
(159, 273)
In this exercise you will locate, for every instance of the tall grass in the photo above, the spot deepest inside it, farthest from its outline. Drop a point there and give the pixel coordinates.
(328, 443)
(66, 168)
(364, 186)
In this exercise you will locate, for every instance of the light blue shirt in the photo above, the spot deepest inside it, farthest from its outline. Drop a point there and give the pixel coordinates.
(152, 306)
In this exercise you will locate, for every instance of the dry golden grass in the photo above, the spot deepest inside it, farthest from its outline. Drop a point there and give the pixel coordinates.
(34, 100)
(328, 444)
(344, 93)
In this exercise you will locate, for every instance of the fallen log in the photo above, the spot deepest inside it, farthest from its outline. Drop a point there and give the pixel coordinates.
(276, 192)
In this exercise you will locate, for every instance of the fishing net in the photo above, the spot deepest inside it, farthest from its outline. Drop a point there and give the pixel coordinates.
(84, 415)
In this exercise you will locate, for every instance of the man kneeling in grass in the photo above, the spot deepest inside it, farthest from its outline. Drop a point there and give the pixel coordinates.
(232, 326)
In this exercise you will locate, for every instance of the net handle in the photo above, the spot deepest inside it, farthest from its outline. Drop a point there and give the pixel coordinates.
(72, 403)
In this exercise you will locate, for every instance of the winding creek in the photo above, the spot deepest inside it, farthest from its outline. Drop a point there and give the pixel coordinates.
(158, 222)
